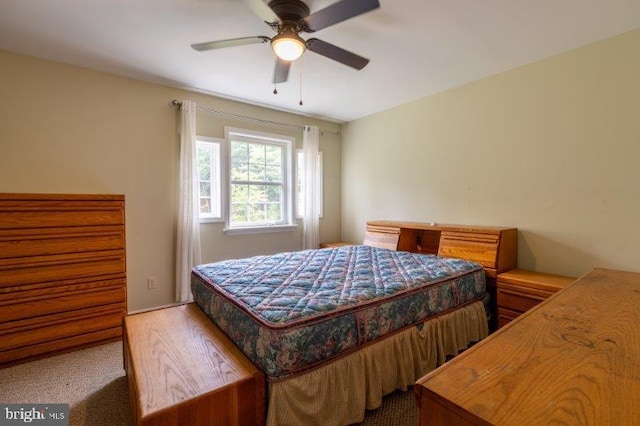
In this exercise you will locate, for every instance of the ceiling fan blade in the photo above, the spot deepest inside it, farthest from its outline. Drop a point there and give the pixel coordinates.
(263, 10)
(281, 72)
(336, 53)
(339, 12)
(220, 44)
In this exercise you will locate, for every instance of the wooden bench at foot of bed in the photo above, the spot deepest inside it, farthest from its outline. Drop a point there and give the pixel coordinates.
(182, 370)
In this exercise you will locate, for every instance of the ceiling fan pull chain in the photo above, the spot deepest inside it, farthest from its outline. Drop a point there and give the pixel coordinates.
(275, 90)
(301, 69)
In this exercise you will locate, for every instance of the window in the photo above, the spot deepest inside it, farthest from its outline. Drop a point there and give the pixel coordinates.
(300, 186)
(260, 196)
(209, 178)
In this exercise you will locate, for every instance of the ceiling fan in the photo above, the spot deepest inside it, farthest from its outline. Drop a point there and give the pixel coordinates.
(289, 18)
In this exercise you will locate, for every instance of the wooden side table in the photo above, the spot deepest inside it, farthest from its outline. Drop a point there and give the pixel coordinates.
(335, 244)
(519, 290)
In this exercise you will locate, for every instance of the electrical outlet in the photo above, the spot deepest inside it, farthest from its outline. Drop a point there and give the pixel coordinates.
(151, 283)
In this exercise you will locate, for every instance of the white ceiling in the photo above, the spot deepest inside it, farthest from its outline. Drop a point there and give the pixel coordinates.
(416, 47)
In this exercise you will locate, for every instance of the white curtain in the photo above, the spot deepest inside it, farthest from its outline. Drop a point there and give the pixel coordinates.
(311, 235)
(188, 236)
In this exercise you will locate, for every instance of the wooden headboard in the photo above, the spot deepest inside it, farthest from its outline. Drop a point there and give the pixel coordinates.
(496, 249)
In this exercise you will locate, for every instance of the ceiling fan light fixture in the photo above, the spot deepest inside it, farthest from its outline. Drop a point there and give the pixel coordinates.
(288, 45)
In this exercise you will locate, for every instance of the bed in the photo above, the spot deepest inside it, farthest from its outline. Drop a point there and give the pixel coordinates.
(335, 329)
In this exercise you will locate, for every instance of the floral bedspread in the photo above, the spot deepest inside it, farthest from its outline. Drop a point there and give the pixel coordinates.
(294, 311)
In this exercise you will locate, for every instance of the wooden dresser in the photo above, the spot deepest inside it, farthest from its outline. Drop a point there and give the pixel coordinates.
(495, 248)
(573, 359)
(62, 273)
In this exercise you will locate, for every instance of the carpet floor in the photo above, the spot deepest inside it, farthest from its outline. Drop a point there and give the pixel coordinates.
(92, 381)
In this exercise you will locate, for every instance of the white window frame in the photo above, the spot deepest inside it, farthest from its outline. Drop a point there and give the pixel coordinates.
(252, 136)
(216, 145)
(300, 193)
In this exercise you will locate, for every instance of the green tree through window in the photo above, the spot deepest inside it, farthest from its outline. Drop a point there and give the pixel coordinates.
(258, 181)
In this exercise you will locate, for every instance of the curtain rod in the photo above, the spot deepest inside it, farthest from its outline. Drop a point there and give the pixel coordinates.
(178, 104)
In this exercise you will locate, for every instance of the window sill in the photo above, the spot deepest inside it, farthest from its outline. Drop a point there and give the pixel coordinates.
(211, 220)
(260, 229)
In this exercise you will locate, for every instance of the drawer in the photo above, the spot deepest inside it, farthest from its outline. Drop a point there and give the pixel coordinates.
(64, 344)
(505, 316)
(48, 328)
(63, 267)
(10, 295)
(49, 219)
(518, 301)
(46, 245)
(21, 214)
(25, 305)
(480, 248)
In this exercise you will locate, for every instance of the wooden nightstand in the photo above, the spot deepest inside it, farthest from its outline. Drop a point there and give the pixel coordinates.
(335, 244)
(520, 290)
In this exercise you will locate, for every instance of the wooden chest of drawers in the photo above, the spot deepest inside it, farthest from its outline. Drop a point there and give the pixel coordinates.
(62, 272)
(520, 290)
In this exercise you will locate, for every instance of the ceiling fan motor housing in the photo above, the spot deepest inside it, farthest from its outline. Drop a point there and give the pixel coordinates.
(290, 10)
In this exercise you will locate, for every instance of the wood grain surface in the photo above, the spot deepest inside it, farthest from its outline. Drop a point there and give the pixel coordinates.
(62, 272)
(495, 248)
(183, 370)
(573, 359)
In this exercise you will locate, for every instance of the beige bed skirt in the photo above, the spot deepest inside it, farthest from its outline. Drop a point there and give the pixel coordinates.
(338, 393)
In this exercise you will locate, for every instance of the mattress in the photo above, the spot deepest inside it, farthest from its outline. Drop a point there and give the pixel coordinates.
(291, 312)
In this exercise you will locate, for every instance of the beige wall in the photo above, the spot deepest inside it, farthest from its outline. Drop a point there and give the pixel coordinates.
(552, 148)
(65, 129)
